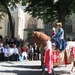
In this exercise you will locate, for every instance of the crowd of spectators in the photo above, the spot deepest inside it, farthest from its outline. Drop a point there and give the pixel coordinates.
(69, 39)
(14, 49)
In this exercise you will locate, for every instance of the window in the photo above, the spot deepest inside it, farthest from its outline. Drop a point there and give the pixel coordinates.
(32, 23)
(48, 28)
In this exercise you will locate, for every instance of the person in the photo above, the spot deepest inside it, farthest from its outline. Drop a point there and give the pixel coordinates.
(8, 53)
(60, 33)
(53, 32)
(48, 60)
(20, 54)
(1, 52)
(36, 52)
(24, 52)
(59, 37)
(31, 52)
(15, 53)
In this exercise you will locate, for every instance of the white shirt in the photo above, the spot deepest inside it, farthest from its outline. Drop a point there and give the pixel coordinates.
(15, 50)
(8, 52)
(48, 45)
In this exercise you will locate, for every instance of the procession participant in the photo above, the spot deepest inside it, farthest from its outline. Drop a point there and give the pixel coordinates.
(60, 32)
(48, 62)
(53, 32)
(58, 39)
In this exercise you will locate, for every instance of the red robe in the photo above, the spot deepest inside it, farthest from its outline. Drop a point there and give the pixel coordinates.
(48, 61)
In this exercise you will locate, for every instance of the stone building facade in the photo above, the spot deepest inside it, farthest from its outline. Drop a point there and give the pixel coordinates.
(21, 20)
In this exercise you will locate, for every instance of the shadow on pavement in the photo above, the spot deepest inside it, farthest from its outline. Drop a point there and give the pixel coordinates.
(61, 72)
(21, 66)
(28, 70)
(18, 72)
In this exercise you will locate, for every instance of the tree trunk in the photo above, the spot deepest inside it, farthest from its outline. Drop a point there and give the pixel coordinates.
(10, 22)
(62, 15)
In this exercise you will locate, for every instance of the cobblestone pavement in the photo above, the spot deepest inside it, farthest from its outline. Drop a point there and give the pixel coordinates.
(29, 68)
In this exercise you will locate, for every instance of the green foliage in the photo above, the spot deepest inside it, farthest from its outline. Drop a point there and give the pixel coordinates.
(2, 10)
(23, 2)
(7, 3)
(48, 10)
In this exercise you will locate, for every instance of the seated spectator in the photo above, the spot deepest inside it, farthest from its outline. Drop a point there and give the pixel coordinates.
(20, 53)
(20, 50)
(8, 53)
(16, 53)
(24, 53)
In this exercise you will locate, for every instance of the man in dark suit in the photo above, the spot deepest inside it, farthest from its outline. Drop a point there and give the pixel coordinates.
(36, 51)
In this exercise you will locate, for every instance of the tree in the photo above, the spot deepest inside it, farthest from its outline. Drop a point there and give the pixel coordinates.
(2, 10)
(49, 10)
(5, 6)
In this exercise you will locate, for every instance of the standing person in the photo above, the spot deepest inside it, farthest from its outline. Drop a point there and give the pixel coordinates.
(48, 61)
(31, 52)
(59, 37)
(53, 32)
(36, 52)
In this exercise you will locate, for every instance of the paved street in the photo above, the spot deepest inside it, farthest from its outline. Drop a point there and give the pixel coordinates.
(29, 68)
(20, 68)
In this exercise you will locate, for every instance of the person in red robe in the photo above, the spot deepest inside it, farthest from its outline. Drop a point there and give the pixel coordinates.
(48, 62)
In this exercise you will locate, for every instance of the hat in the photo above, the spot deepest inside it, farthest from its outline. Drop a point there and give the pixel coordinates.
(53, 29)
(59, 24)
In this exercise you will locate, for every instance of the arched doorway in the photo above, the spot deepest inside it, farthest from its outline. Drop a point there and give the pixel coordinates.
(32, 24)
(10, 31)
